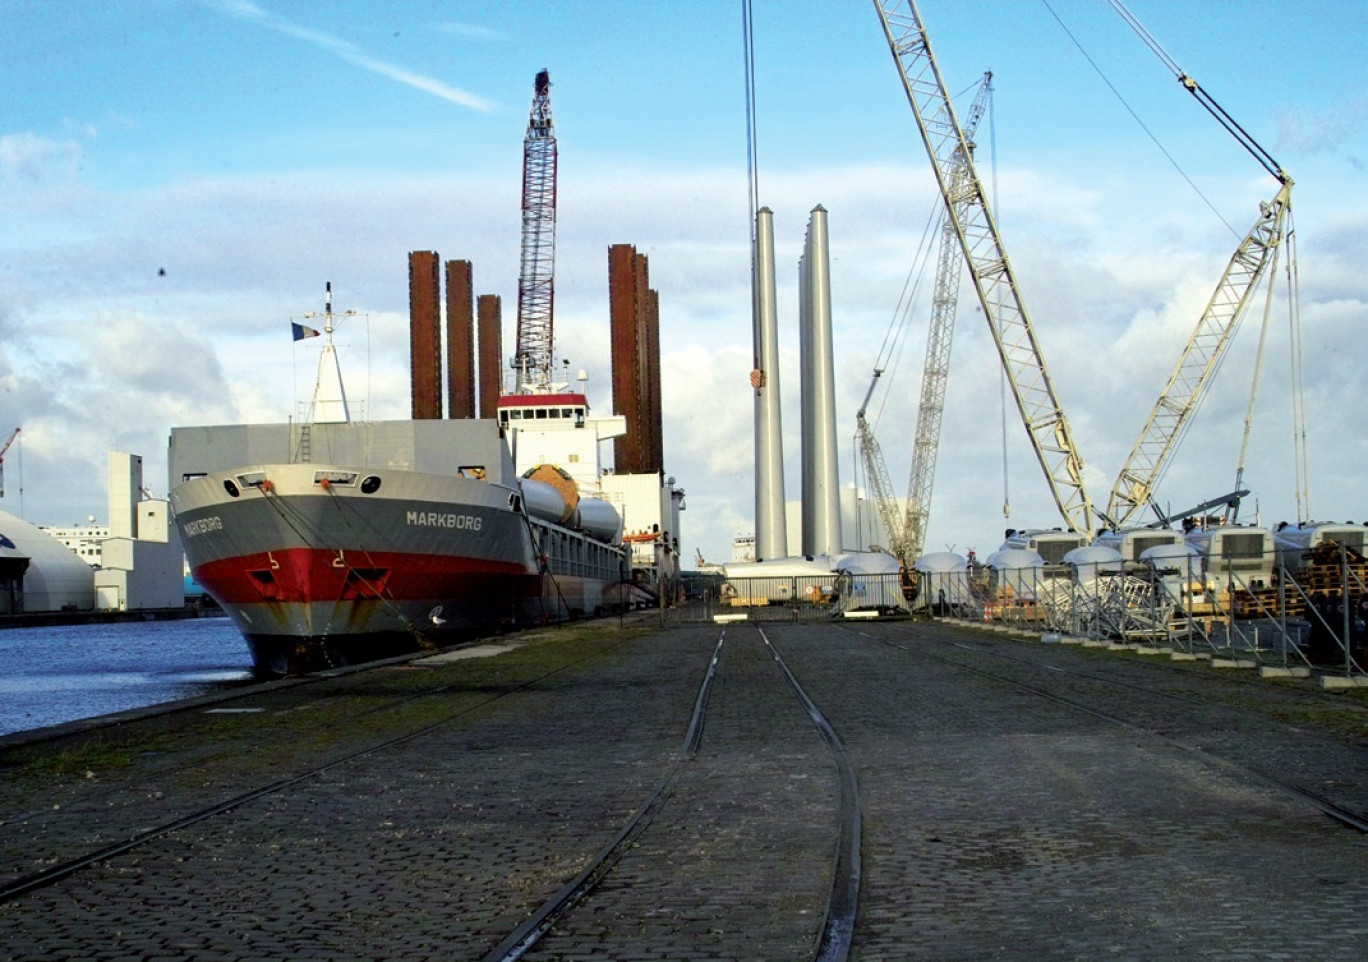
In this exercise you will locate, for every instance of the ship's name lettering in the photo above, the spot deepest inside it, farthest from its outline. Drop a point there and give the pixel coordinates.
(203, 526)
(436, 519)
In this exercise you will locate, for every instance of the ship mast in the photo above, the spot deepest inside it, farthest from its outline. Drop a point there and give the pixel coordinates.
(329, 404)
(532, 359)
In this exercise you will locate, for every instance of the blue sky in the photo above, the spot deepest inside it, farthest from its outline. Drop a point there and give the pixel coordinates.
(255, 150)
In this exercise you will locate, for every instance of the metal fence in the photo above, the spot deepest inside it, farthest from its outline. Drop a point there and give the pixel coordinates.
(789, 598)
(1311, 617)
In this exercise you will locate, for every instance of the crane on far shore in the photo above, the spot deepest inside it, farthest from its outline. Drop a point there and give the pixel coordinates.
(3, 448)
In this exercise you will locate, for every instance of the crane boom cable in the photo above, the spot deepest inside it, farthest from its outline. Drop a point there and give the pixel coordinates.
(752, 160)
(1300, 464)
(994, 279)
(752, 175)
(1173, 161)
(939, 340)
(906, 529)
(1233, 508)
(1245, 140)
(895, 342)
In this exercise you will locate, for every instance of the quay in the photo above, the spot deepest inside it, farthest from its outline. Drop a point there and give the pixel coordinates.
(1019, 800)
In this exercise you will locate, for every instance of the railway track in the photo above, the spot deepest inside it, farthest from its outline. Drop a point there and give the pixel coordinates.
(836, 931)
(825, 934)
(30, 824)
(683, 797)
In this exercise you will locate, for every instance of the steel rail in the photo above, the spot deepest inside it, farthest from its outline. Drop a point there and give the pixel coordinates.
(55, 873)
(838, 926)
(526, 935)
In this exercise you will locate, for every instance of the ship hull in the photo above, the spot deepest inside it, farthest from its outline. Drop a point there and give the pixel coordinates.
(327, 565)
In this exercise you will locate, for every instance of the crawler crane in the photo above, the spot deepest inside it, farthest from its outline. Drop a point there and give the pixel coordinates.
(967, 211)
(1134, 486)
(907, 528)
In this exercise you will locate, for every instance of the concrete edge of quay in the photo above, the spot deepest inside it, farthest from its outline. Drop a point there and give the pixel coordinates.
(506, 642)
(1319, 677)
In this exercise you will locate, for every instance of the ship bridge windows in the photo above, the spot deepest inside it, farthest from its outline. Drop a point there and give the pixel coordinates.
(542, 413)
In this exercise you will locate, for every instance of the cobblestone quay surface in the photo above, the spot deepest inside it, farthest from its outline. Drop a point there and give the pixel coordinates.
(1021, 801)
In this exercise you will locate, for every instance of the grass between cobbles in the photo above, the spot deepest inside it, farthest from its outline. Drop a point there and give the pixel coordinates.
(305, 724)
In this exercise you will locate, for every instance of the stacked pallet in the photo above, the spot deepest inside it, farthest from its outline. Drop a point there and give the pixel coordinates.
(1263, 603)
(1327, 570)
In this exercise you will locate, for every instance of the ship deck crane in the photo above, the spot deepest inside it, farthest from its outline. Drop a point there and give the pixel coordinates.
(532, 359)
(3, 448)
(994, 281)
(907, 527)
(1200, 358)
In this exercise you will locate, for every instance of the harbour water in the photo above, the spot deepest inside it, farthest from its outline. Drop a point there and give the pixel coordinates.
(53, 675)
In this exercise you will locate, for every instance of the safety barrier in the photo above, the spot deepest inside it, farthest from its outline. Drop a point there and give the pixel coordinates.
(1311, 618)
(789, 598)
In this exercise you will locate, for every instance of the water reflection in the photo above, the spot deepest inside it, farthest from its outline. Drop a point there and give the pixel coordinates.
(52, 675)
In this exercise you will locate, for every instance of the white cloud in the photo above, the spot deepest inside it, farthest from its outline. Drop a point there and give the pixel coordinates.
(254, 13)
(469, 30)
(101, 351)
(1313, 132)
(28, 158)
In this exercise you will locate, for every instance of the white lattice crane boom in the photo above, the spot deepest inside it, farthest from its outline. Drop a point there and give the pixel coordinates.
(994, 281)
(1202, 355)
(1199, 360)
(876, 471)
(936, 369)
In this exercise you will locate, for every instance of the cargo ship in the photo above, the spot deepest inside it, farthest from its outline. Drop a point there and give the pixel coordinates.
(332, 542)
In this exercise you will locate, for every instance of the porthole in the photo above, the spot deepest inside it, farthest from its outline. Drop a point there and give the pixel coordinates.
(230, 487)
(370, 484)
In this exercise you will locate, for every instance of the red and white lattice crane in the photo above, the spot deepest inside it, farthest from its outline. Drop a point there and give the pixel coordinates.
(532, 359)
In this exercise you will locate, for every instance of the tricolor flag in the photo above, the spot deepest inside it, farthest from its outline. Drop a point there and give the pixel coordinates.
(301, 332)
